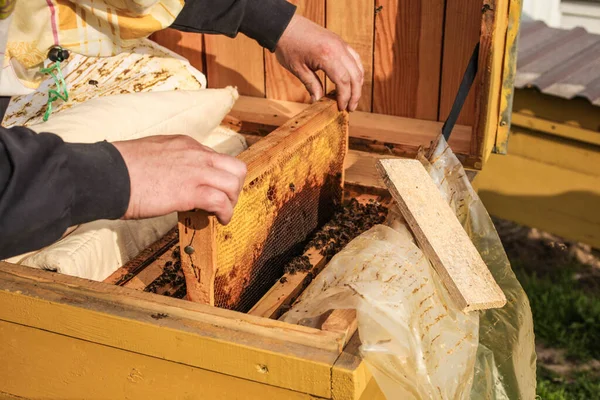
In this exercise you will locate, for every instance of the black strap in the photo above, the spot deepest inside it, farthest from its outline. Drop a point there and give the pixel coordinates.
(463, 92)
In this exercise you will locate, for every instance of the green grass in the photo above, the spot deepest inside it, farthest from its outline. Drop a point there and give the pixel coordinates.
(565, 315)
(584, 386)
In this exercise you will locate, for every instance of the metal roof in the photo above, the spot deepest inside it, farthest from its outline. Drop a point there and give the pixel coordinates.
(558, 62)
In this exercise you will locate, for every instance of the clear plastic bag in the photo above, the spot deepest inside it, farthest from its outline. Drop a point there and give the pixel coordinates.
(506, 359)
(417, 344)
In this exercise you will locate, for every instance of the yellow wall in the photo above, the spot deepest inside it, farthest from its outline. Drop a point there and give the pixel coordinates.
(547, 180)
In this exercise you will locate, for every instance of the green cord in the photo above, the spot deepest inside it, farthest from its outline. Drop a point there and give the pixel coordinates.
(61, 87)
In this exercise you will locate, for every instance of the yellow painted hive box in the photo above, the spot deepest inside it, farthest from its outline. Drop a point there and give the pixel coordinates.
(135, 336)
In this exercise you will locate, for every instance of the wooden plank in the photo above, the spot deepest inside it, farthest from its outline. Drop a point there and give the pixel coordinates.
(195, 335)
(117, 300)
(350, 376)
(143, 260)
(492, 87)
(281, 84)
(361, 169)
(343, 322)
(509, 72)
(408, 132)
(461, 34)
(441, 236)
(235, 62)
(408, 49)
(37, 364)
(197, 244)
(288, 288)
(354, 21)
(150, 273)
(187, 44)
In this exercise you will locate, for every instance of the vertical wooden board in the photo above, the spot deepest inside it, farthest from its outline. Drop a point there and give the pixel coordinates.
(197, 230)
(408, 50)
(350, 377)
(235, 62)
(343, 322)
(354, 21)
(187, 44)
(492, 88)
(281, 84)
(461, 34)
(441, 236)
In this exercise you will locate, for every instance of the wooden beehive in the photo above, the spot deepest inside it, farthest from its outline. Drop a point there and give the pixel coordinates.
(294, 182)
(63, 335)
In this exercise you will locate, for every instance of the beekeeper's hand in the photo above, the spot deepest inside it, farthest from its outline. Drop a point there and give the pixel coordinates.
(306, 47)
(176, 173)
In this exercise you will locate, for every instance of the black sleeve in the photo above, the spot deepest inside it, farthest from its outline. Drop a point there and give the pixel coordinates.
(262, 20)
(47, 185)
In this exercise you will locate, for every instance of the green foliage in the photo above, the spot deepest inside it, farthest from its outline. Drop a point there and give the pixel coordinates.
(584, 386)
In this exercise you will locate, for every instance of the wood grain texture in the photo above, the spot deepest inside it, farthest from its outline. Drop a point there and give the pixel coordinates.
(441, 236)
(38, 364)
(408, 49)
(354, 21)
(360, 169)
(197, 232)
(350, 375)
(343, 322)
(494, 89)
(143, 260)
(187, 333)
(150, 273)
(235, 62)
(461, 34)
(280, 83)
(383, 129)
(289, 287)
(187, 44)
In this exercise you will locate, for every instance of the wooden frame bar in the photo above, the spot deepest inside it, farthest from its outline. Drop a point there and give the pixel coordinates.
(376, 133)
(200, 241)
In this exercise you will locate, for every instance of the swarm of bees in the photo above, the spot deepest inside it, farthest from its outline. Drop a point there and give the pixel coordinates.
(349, 221)
(297, 264)
(173, 276)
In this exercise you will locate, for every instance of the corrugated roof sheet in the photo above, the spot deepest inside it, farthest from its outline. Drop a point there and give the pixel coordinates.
(558, 62)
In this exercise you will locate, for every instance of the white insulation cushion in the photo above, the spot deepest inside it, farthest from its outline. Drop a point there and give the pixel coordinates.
(135, 115)
(96, 249)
